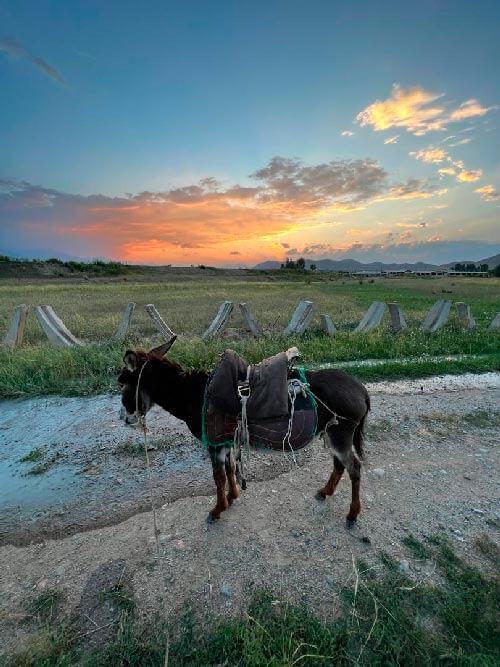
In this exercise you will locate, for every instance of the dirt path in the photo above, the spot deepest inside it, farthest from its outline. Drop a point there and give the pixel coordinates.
(432, 464)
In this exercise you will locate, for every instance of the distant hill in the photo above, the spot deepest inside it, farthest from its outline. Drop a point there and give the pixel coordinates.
(492, 262)
(354, 265)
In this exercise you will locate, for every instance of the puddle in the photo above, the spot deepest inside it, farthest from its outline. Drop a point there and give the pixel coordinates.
(89, 477)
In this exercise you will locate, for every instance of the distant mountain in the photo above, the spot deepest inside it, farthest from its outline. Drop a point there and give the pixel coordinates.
(492, 262)
(354, 265)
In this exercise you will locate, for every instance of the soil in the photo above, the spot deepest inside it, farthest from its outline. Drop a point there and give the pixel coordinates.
(432, 464)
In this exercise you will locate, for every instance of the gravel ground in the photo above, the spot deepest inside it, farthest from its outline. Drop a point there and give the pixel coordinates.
(432, 465)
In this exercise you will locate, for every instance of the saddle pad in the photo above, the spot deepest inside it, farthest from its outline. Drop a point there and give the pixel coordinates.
(219, 428)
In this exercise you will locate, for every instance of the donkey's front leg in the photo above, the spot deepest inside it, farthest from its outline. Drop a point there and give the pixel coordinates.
(234, 489)
(218, 458)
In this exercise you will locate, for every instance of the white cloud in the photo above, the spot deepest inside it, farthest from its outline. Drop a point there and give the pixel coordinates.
(417, 110)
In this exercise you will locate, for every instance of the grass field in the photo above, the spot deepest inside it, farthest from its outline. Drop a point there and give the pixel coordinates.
(380, 617)
(92, 310)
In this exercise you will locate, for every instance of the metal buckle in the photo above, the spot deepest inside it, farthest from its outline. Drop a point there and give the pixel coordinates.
(244, 390)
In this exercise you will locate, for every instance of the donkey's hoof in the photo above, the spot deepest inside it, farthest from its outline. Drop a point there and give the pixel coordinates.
(320, 494)
(350, 523)
(211, 518)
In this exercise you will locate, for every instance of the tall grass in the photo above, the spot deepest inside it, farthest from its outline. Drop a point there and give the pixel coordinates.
(92, 311)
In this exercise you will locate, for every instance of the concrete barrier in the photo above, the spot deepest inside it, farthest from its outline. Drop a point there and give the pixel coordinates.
(398, 322)
(54, 328)
(220, 320)
(495, 323)
(437, 316)
(300, 319)
(160, 324)
(249, 320)
(121, 332)
(327, 325)
(372, 318)
(15, 332)
(465, 316)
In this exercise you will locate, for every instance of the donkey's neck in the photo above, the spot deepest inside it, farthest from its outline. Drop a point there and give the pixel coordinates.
(181, 393)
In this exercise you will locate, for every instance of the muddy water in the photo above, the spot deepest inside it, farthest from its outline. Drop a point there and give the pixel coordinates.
(93, 470)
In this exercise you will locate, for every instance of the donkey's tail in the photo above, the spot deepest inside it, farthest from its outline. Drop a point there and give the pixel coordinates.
(358, 437)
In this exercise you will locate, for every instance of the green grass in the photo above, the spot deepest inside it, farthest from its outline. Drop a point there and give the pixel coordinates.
(120, 597)
(37, 371)
(46, 606)
(384, 618)
(42, 467)
(34, 455)
(92, 311)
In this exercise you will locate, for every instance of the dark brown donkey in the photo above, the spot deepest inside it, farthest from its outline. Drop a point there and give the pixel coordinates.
(181, 393)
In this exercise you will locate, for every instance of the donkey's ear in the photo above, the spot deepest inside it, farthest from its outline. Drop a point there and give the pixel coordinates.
(130, 360)
(162, 349)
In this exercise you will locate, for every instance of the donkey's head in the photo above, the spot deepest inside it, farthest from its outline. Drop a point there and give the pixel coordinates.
(136, 399)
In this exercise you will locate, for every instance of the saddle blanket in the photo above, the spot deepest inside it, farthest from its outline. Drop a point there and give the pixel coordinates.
(268, 405)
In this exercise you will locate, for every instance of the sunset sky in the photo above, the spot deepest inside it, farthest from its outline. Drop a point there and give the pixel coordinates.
(230, 133)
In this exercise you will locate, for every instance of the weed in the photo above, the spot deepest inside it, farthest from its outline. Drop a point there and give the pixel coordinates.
(482, 418)
(46, 606)
(489, 549)
(379, 429)
(43, 466)
(119, 597)
(34, 455)
(417, 548)
(135, 448)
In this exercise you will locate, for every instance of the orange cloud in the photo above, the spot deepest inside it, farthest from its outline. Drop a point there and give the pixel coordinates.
(409, 192)
(202, 222)
(392, 140)
(447, 171)
(430, 155)
(469, 176)
(488, 193)
(415, 109)
(469, 109)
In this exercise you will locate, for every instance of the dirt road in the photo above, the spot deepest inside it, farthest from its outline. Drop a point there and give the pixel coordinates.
(432, 464)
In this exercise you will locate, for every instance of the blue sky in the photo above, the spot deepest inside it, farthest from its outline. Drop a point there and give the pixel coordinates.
(118, 99)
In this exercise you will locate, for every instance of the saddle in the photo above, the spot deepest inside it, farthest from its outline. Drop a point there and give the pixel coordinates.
(270, 398)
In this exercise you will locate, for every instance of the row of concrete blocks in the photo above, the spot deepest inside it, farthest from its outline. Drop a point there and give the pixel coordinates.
(436, 318)
(60, 336)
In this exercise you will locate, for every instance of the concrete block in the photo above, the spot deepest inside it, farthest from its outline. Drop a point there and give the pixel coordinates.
(220, 320)
(15, 332)
(249, 320)
(300, 319)
(327, 325)
(398, 322)
(372, 318)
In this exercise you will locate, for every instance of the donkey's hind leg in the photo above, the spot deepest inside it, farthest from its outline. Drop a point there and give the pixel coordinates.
(218, 458)
(354, 469)
(234, 489)
(340, 438)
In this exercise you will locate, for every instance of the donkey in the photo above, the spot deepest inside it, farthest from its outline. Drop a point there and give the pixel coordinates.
(181, 393)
